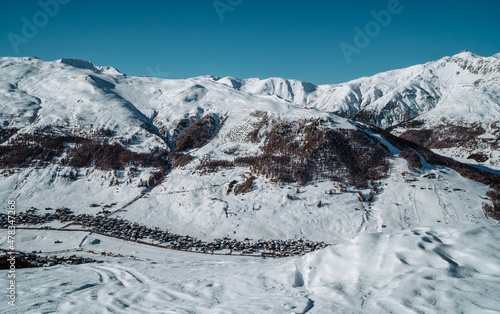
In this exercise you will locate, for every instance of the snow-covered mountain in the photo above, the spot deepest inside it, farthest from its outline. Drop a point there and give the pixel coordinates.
(464, 86)
(450, 96)
(245, 149)
(448, 87)
(251, 159)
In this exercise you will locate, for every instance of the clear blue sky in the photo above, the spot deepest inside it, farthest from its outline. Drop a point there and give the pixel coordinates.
(290, 39)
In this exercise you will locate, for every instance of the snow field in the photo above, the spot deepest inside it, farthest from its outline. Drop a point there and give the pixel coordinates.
(442, 269)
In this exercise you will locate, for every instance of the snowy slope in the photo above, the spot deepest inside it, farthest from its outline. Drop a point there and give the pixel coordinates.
(426, 270)
(80, 96)
(448, 87)
(36, 94)
(197, 206)
(461, 90)
(192, 204)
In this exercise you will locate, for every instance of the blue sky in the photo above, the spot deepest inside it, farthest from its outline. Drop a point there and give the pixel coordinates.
(250, 38)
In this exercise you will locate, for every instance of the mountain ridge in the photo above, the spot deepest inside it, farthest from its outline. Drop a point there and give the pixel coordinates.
(461, 90)
(223, 157)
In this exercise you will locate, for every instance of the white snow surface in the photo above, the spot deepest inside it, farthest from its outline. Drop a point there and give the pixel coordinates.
(447, 269)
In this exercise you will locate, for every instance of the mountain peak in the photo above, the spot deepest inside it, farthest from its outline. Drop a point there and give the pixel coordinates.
(467, 54)
(88, 65)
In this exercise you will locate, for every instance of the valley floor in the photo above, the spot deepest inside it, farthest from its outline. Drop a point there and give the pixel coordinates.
(442, 269)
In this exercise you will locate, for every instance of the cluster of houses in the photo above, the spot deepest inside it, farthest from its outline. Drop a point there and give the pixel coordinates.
(131, 231)
(28, 260)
